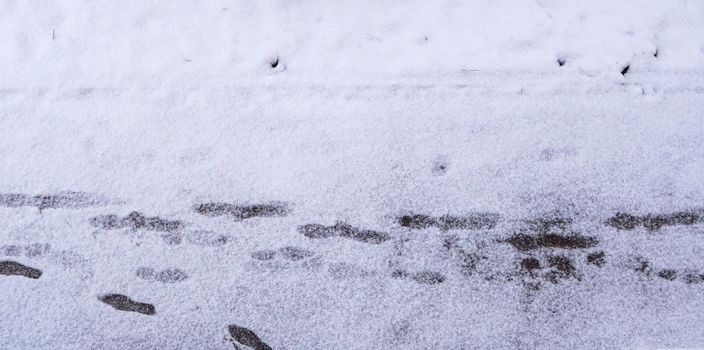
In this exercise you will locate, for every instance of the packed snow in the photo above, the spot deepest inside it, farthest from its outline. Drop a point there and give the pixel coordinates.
(351, 174)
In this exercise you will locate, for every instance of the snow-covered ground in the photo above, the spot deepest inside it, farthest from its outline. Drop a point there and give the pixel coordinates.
(104, 43)
(352, 174)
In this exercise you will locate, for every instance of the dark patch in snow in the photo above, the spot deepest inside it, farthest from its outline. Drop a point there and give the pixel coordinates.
(477, 221)
(623, 221)
(450, 242)
(107, 222)
(557, 153)
(531, 286)
(561, 61)
(239, 212)
(563, 268)
(691, 278)
(642, 266)
(530, 264)
(428, 277)
(596, 258)
(654, 222)
(206, 238)
(172, 238)
(264, 255)
(422, 277)
(37, 249)
(146, 273)
(440, 166)
(247, 337)
(343, 229)
(11, 250)
(400, 274)
(34, 250)
(165, 276)
(645, 268)
(469, 261)
(625, 69)
(13, 268)
(124, 303)
(317, 231)
(525, 242)
(61, 200)
(295, 253)
(274, 63)
(346, 270)
(417, 221)
(136, 220)
(668, 274)
(548, 224)
(69, 258)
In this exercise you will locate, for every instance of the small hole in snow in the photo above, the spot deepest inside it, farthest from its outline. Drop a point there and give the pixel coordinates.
(655, 54)
(440, 166)
(561, 61)
(274, 63)
(625, 69)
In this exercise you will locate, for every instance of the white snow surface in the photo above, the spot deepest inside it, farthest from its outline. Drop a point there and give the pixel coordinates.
(103, 42)
(158, 106)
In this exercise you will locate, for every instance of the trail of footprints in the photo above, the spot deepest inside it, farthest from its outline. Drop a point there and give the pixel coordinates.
(546, 246)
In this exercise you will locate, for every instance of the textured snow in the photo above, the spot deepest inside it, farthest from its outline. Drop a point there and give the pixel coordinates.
(121, 123)
(101, 43)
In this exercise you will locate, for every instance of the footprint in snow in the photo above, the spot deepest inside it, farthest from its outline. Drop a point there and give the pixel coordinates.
(125, 303)
(13, 268)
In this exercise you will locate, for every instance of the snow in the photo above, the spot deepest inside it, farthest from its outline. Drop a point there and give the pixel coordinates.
(155, 107)
(104, 43)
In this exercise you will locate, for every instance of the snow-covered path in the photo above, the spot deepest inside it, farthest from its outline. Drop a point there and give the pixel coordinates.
(362, 174)
(489, 206)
